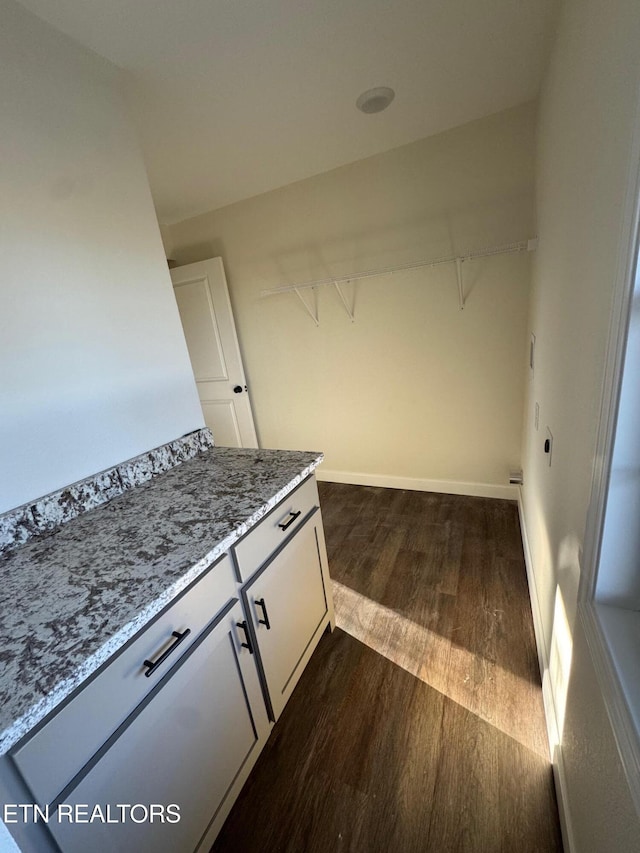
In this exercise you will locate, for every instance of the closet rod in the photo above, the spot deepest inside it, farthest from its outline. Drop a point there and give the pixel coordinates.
(507, 249)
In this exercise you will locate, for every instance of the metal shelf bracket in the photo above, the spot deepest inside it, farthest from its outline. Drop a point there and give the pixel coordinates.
(344, 302)
(312, 314)
(460, 282)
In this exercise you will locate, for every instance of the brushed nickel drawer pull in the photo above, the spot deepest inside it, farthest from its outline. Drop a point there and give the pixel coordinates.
(293, 516)
(153, 665)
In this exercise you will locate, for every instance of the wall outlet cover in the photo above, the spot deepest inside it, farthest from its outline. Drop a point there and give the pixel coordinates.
(548, 445)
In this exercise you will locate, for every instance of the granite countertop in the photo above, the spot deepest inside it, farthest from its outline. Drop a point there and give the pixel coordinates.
(70, 600)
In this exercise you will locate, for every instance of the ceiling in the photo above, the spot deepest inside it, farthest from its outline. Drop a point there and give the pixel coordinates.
(236, 97)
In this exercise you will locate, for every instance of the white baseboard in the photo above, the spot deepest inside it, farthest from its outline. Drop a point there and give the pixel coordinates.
(447, 487)
(538, 625)
(551, 718)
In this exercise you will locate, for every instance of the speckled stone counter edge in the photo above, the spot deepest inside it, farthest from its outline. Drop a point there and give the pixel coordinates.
(20, 727)
(20, 525)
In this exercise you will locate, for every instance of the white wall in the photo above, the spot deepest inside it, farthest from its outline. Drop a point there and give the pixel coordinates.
(588, 110)
(94, 368)
(415, 390)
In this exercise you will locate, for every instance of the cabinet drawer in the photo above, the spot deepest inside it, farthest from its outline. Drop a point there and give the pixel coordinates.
(50, 758)
(275, 528)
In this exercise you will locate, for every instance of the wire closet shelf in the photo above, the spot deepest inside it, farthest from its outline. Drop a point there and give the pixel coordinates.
(458, 260)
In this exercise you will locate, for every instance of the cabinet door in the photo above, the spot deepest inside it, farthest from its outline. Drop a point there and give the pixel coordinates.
(288, 604)
(187, 746)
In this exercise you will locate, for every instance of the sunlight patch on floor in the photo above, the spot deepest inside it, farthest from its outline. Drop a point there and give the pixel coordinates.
(494, 694)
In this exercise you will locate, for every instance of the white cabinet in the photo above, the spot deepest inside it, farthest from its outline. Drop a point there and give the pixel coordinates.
(178, 717)
(51, 756)
(288, 603)
(185, 747)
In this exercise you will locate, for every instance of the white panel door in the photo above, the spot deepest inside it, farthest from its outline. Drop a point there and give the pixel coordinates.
(205, 310)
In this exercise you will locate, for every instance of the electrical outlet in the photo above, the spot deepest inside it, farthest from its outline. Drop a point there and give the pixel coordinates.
(536, 419)
(548, 445)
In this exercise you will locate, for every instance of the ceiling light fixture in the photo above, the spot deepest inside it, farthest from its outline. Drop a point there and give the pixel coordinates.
(375, 100)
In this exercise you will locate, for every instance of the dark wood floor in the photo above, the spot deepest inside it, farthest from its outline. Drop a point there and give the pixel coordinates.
(418, 724)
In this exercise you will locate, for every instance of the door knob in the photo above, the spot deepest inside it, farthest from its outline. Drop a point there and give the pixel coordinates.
(237, 389)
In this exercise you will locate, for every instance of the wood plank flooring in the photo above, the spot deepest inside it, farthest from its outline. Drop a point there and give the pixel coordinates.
(418, 724)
